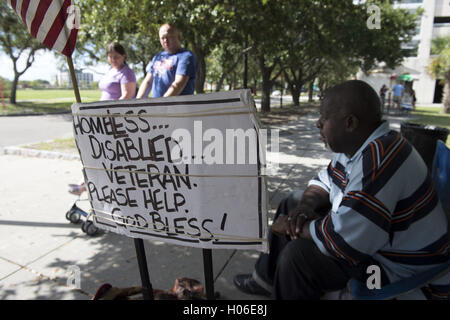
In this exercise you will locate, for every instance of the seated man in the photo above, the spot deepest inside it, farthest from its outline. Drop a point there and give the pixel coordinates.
(375, 204)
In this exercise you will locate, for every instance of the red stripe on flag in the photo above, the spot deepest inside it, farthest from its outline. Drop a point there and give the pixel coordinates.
(39, 16)
(23, 11)
(57, 26)
(13, 4)
(70, 45)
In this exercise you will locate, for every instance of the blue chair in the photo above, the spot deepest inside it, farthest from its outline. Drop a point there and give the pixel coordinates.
(441, 176)
(441, 179)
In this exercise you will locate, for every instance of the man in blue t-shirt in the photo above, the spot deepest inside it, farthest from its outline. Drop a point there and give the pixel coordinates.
(172, 71)
(398, 94)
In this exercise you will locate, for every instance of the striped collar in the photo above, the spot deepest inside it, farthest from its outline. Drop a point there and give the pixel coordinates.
(380, 131)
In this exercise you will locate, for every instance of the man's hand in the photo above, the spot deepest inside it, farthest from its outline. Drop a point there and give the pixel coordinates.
(293, 225)
(296, 224)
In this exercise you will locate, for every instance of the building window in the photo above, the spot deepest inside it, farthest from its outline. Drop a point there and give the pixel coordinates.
(441, 20)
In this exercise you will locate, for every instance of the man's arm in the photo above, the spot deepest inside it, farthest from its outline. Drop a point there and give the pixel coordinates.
(177, 85)
(314, 200)
(146, 83)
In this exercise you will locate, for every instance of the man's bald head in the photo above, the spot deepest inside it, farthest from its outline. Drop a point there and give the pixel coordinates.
(166, 27)
(355, 97)
(169, 38)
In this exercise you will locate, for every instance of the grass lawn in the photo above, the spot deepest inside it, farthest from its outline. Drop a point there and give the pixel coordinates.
(48, 100)
(432, 116)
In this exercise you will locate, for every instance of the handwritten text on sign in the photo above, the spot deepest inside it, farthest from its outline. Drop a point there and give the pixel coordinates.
(185, 170)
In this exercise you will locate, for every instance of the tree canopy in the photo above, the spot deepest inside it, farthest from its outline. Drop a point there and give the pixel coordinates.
(300, 41)
(17, 43)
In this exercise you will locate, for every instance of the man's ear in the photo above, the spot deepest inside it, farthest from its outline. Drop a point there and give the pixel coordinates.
(351, 123)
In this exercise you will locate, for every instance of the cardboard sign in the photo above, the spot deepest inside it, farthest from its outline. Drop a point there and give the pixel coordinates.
(186, 170)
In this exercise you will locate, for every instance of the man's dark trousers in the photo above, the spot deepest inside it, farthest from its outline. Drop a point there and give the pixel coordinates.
(296, 269)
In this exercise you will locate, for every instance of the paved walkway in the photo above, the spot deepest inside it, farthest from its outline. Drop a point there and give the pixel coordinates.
(40, 251)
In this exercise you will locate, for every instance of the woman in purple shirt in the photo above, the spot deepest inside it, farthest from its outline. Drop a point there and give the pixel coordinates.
(120, 81)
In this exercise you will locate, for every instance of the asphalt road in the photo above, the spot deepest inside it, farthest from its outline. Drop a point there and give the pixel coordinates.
(21, 130)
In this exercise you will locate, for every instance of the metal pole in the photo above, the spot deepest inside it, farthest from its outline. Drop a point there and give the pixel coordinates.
(147, 290)
(74, 79)
(245, 64)
(281, 93)
(208, 271)
(389, 102)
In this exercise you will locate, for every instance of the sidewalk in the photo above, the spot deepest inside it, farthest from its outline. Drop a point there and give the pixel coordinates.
(39, 247)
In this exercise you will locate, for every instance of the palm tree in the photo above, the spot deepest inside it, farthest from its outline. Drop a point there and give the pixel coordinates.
(439, 66)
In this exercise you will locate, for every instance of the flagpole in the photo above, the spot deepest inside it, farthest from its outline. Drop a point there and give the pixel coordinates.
(74, 79)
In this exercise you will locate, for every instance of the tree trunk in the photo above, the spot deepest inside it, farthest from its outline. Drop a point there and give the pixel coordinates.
(266, 84)
(311, 91)
(265, 99)
(144, 67)
(446, 98)
(220, 84)
(12, 98)
(295, 93)
(199, 53)
(201, 73)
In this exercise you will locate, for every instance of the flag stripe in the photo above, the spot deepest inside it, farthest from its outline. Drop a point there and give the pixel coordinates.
(23, 11)
(49, 18)
(57, 27)
(70, 45)
(18, 6)
(30, 14)
(46, 21)
(39, 16)
(12, 3)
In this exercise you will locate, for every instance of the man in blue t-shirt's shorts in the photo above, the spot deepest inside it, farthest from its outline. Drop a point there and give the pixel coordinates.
(172, 71)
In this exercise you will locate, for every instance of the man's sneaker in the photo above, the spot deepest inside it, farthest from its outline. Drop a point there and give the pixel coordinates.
(247, 284)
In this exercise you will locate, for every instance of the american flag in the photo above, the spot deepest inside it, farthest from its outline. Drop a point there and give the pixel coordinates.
(46, 21)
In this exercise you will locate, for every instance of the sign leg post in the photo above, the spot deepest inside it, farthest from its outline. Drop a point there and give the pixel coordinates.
(147, 290)
(208, 271)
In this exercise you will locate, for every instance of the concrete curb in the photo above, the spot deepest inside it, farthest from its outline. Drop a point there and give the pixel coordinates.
(40, 153)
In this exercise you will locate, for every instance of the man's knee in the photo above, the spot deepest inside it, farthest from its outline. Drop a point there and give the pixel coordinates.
(296, 253)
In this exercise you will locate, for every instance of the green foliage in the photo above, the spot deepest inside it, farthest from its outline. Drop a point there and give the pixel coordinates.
(440, 64)
(17, 43)
(305, 41)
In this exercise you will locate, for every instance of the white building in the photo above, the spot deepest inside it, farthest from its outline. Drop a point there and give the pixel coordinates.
(83, 78)
(435, 22)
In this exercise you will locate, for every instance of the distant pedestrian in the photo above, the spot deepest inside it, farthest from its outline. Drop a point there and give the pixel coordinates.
(383, 95)
(398, 89)
(120, 81)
